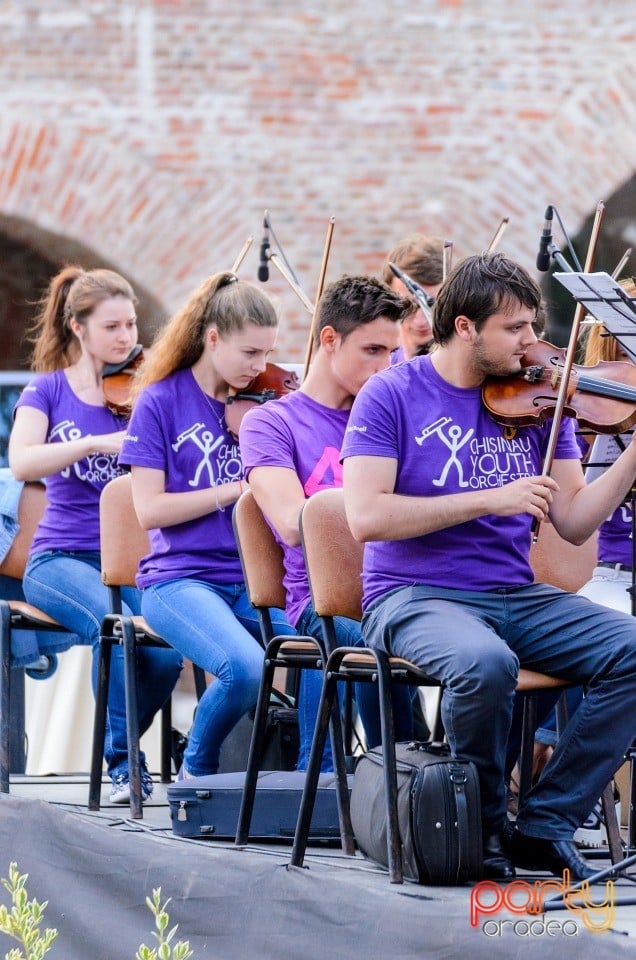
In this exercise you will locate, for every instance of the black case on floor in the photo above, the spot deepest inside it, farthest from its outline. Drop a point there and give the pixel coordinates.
(439, 813)
(209, 806)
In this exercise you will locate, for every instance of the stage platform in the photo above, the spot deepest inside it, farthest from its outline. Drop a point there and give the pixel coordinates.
(96, 870)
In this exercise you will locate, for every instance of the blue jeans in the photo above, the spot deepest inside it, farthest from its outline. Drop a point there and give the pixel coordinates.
(348, 634)
(474, 642)
(216, 627)
(68, 586)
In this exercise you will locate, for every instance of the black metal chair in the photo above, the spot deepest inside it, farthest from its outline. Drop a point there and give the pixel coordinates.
(123, 543)
(263, 571)
(18, 615)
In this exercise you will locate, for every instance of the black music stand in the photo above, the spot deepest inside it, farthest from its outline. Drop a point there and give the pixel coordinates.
(608, 303)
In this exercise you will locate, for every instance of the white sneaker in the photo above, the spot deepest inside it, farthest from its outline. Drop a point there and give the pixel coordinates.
(593, 833)
(120, 791)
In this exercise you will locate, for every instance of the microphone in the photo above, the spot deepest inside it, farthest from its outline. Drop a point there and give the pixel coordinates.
(544, 256)
(263, 269)
(423, 299)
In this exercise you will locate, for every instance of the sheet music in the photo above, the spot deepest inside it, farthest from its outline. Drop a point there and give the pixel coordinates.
(606, 300)
(604, 452)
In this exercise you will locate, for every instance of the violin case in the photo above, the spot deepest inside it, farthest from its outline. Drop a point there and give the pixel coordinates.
(208, 807)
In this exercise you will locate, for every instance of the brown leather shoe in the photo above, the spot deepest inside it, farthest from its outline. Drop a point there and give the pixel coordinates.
(553, 856)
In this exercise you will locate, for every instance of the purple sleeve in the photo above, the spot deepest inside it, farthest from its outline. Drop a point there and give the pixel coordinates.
(372, 428)
(144, 444)
(264, 439)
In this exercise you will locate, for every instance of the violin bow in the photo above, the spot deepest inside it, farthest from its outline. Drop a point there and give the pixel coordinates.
(241, 257)
(319, 289)
(569, 359)
(306, 302)
(499, 232)
(447, 258)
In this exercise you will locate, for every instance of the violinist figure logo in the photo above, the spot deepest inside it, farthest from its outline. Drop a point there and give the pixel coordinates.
(229, 466)
(454, 440)
(94, 468)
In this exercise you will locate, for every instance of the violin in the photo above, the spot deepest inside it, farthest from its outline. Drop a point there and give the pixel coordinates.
(602, 398)
(117, 381)
(272, 383)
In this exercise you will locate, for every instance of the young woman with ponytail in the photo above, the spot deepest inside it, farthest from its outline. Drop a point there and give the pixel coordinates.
(64, 433)
(186, 475)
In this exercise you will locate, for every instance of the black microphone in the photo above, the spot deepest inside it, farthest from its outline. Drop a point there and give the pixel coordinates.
(544, 256)
(423, 299)
(263, 269)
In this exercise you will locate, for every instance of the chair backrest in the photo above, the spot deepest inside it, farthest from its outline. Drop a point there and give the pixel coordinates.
(562, 564)
(261, 556)
(332, 557)
(30, 511)
(123, 540)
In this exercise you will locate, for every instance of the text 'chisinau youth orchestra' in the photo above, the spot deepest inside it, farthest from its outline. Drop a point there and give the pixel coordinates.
(450, 439)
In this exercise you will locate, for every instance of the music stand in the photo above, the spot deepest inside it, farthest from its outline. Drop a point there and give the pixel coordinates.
(608, 303)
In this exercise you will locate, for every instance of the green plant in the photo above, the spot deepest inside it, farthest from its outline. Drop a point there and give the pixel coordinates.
(22, 921)
(181, 949)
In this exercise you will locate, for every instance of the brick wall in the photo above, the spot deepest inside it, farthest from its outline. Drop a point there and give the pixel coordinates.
(153, 134)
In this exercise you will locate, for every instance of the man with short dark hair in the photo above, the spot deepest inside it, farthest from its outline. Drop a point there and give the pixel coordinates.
(444, 498)
(290, 449)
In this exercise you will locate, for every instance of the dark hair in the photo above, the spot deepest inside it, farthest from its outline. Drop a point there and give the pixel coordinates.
(350, 302)
(419, 256)
(479, 287)
(72, 294)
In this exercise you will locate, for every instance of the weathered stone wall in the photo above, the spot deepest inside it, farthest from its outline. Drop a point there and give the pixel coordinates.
(152, 135)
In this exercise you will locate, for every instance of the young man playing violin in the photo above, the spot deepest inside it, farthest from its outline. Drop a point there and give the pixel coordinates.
(445, 501)
(290, 449)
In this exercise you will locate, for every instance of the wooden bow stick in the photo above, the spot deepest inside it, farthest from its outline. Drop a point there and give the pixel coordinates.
(241, 257)
(569, 359)
(321, 284)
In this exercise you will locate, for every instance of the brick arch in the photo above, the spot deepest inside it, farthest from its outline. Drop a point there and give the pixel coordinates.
(63, 190)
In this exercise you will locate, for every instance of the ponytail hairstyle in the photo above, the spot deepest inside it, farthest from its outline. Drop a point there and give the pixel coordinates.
(72, 294)
(222, 301)
(600, 345)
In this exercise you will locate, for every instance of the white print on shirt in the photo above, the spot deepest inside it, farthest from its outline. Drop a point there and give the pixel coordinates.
(100, 467)
(227, 461)
(491, 461)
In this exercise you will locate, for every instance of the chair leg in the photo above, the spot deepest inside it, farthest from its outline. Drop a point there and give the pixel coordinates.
(200, 685)
(99, 722)
(166, 742)
(526, 757)
(325, 716)
(394, 843)
(132, 716)
(611, 823)
(5, 694)
(257, 750)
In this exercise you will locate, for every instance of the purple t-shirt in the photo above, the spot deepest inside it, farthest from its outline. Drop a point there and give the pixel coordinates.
(71, 518)
(177, 428)
(445, 442)
(298, 433)
(397, 355)
(615, 537)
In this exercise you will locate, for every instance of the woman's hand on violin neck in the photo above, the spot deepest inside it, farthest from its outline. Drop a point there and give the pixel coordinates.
(531, 495)
(106, 442)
